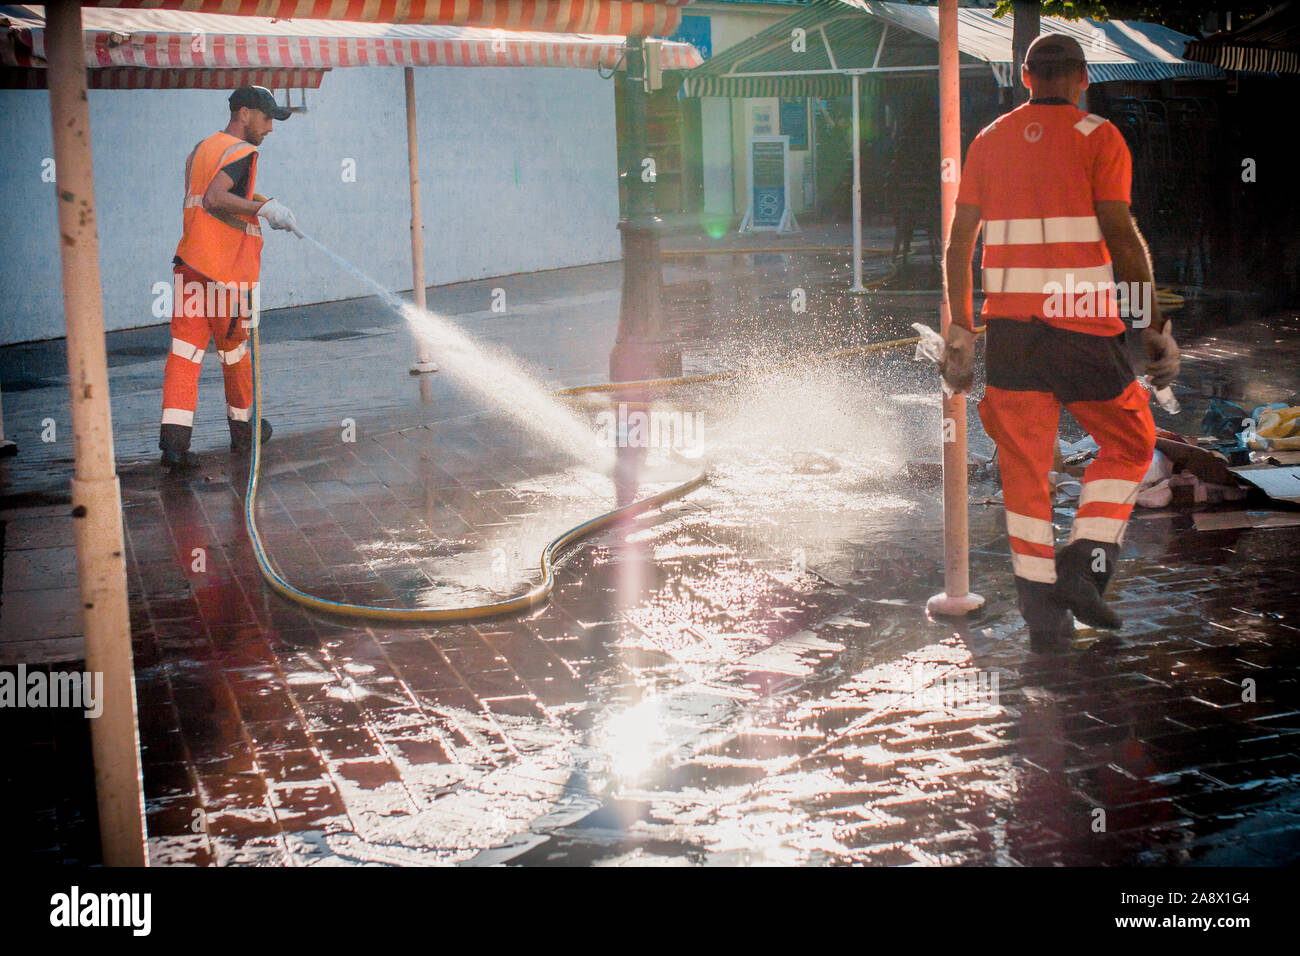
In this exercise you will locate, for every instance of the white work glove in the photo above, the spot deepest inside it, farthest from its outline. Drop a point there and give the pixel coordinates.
(958, 368)
(278, 215)
(1162, 355)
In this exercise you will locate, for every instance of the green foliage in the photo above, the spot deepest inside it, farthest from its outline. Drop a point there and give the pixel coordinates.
(1184, 16)
(1067, 9)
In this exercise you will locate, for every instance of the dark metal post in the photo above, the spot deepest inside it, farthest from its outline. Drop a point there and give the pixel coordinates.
(641, 348)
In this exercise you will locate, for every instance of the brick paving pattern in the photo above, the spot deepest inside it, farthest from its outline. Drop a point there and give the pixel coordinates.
(747, 676)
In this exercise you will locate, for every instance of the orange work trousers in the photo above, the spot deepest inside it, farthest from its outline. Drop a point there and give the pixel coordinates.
(201, 311)
(1034, 369)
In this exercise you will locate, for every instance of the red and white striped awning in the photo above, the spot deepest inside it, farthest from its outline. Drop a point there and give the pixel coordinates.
(601, 17)
(223, 51)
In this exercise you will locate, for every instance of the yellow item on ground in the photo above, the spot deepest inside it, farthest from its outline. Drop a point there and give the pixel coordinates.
(1278, 428)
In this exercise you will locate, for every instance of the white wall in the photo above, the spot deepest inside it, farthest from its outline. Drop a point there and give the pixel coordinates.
(518, 173)
(715, 120)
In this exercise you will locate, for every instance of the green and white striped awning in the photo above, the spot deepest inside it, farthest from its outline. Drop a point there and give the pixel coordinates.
(1267, 44)
(796, 86)
(815, 51)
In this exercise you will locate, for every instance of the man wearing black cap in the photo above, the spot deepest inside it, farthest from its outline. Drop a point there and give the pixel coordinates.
(1051, 184)
(217, 265)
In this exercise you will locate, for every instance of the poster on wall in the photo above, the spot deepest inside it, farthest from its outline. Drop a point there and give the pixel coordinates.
(769, 186)
(760, 119)
(794, 121)
(698, 32)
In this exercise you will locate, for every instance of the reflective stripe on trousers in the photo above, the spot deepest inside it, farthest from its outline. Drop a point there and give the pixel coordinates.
(190, 337)
(1024, 426)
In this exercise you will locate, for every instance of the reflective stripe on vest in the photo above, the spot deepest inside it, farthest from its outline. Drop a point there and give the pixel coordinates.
(1045, 255)
(1089, 123)
(1041, 266)
(1016, 232)
(222, 246)
(1041, 282)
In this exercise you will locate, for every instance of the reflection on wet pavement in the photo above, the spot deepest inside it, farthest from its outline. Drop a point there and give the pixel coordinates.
(747, 676)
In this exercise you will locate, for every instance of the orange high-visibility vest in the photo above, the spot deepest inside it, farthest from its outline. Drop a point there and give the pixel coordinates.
(222, 246)
(1037, 173)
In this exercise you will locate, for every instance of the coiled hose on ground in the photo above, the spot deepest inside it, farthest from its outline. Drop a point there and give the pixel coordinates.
(553, 551)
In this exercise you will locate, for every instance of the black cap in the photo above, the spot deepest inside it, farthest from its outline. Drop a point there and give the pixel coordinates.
(1054, 48)
(258, 98)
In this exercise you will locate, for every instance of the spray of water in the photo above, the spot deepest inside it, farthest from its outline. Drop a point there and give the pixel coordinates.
(496, 378)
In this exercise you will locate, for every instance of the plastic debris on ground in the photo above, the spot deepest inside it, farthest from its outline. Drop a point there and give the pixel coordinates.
(932, 348)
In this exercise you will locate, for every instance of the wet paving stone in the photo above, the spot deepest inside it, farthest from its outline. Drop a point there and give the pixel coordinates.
(746, 676)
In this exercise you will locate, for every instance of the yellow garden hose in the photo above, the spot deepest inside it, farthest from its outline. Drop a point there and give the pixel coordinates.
(1168, 300)
(532, 597)
(653, 383)
(540, 591)
(757, 251)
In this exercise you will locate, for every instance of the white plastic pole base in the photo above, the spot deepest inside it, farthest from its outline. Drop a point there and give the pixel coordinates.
(423, 368)
(946, 605)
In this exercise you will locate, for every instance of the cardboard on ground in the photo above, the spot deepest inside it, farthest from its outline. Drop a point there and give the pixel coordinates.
(1281, 484)
(1226, 520)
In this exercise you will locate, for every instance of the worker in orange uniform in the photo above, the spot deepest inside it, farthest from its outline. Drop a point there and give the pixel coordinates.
(216, 274)
(1051, 183)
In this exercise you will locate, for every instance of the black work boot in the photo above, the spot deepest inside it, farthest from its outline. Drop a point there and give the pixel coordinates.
(241, 434)
(1083, 570)
(179, 460)
(1051, 626)
(174, 440)
(1057, 641)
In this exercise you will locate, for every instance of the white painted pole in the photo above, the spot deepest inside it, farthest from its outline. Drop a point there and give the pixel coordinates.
(812, 149)
(423, 359)
(6, 447)
(96, 496)
(857, 191)
(956, 598)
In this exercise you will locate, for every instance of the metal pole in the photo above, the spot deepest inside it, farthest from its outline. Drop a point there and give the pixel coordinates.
(642, 349)
(956, 598)
(812, 150)
(96, 497)
(423, 360)
(857, 192)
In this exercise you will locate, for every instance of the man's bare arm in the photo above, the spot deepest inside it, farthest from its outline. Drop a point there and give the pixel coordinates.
(1129, 253)
(1132, 262)
(219, 198)
(957, 263)
(959, 356)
